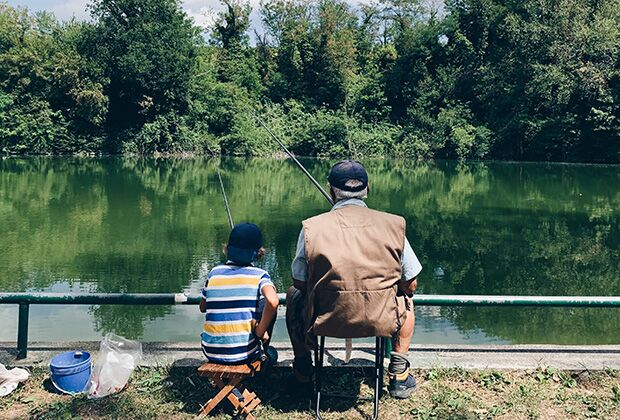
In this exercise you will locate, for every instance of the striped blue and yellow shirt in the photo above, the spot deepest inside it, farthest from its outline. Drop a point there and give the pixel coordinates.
(233, 295)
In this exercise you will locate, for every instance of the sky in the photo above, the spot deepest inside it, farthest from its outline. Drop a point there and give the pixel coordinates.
(202, 11)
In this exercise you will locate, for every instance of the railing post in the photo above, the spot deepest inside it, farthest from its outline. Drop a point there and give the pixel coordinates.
(22, 331)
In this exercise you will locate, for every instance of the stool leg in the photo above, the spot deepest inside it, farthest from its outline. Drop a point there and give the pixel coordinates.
(248, 401)
(225, 390)
(319, 352)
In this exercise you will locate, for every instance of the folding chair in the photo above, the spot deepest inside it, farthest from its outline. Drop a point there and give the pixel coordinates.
(319, 353)
(228, 379)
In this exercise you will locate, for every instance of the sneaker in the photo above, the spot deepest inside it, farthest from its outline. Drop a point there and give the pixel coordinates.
(238, 394)
(300, 381)
(272, 356)
(402, 385)
(303, 369)
(292, 386)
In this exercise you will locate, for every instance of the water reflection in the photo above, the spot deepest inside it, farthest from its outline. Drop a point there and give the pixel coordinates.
(157, 225)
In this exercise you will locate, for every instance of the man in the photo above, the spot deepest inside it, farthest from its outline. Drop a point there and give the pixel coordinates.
(354, 273)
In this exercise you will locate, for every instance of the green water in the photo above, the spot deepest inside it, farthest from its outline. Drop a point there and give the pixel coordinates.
(129, 225)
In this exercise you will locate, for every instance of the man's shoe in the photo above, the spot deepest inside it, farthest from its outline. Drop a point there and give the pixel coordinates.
(292, 386)
(402, 385)
(303, 369)
(300, 380)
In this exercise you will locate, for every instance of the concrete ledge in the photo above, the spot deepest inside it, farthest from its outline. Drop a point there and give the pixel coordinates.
(421, 356)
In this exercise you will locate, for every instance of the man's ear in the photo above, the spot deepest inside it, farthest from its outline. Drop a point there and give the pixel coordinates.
(368, 189)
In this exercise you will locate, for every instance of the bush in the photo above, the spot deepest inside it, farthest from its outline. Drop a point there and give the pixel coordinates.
(165, 134)
(412, 146)
(32, 127)
(460, 137)
(373, 140)
(324, 135)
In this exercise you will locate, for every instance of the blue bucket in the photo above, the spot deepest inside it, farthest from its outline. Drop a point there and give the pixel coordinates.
(71, 371)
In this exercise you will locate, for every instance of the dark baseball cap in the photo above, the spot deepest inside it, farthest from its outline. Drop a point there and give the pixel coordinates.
(244, 242)
(346, 170)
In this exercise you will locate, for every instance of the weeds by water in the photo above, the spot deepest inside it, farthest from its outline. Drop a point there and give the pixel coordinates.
(177, 393)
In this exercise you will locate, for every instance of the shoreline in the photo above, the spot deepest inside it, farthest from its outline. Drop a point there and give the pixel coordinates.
(501, 357)
(279, 155)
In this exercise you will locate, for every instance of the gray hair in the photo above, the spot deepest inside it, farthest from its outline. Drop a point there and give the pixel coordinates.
(343, 195)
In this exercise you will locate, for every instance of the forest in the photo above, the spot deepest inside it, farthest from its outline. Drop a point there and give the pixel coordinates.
(534, 80)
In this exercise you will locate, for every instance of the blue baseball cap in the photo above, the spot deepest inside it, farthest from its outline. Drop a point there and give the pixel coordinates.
(244, 242)
(346, 170)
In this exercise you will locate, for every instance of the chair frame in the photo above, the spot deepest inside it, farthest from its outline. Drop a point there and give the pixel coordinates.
(319, 354)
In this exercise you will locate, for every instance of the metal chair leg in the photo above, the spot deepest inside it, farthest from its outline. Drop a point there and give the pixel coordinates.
(378, 375)
(384, 342)
(319, 353)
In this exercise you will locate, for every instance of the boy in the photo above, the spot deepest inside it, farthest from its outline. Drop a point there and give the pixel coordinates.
(239, 300)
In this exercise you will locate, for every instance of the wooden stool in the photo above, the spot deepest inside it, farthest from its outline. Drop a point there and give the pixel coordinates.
(228, 378)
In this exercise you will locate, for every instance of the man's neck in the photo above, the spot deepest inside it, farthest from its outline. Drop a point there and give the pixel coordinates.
(349, 202)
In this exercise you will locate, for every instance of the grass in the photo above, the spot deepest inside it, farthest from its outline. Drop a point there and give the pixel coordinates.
(176, 393)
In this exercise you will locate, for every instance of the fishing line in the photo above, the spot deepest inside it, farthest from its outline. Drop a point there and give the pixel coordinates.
(230, 219)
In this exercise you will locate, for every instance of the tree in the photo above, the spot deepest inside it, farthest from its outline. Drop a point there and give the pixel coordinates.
(53, 104)
(237, 61)
(147, 50)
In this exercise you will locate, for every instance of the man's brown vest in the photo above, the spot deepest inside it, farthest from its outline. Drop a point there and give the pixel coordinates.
(353, 255)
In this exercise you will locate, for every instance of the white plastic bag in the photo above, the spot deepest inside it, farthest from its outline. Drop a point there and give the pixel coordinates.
(9, 379)
(117, 358)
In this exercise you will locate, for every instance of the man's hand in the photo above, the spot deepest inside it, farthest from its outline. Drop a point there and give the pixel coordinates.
(299, 285)
(408, 287)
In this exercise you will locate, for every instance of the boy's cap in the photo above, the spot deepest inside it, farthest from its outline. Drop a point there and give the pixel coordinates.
(243, 243)
(346, 170)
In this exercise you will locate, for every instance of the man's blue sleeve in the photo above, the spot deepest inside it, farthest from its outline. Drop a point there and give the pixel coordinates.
(409, 262)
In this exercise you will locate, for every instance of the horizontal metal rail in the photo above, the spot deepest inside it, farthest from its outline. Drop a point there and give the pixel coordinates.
(419, 299)
(24, 300)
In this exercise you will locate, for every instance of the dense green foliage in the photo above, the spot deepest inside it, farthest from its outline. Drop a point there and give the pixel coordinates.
(525, 80)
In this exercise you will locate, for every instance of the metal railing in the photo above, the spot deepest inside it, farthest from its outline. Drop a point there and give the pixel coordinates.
(24, 300)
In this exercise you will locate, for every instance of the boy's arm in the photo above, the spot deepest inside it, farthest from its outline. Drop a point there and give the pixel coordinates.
(203, 301)
(269, 312)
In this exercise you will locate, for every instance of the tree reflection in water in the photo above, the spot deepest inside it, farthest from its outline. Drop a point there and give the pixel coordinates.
(156, 225)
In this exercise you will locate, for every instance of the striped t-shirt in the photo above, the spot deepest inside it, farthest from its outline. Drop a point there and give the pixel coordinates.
(233, 295)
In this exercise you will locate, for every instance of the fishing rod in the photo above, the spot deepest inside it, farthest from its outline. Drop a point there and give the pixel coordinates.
(230, 219)
(348, 341)
(288, 152)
